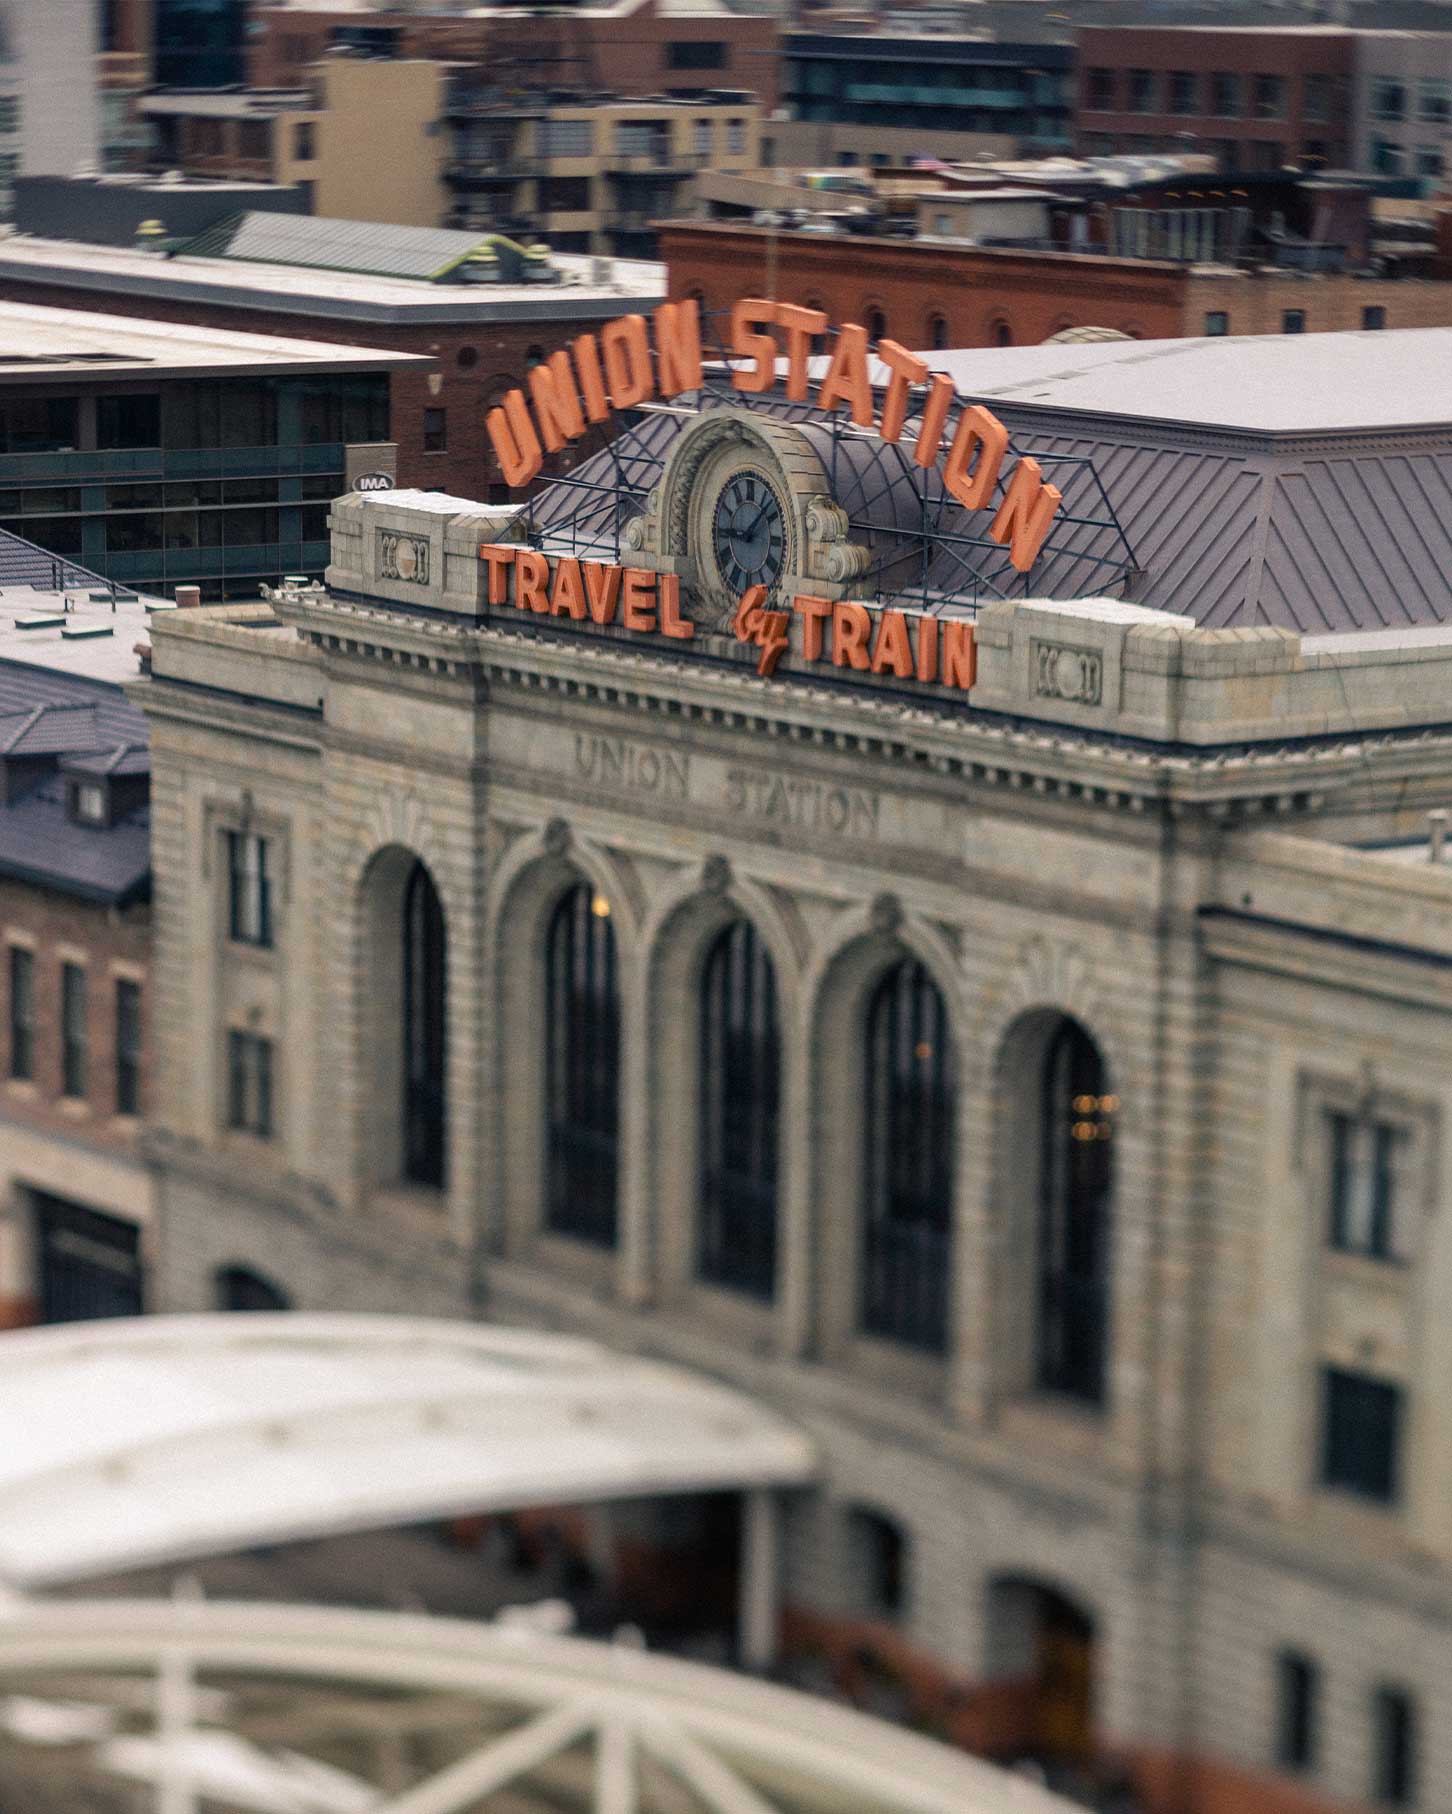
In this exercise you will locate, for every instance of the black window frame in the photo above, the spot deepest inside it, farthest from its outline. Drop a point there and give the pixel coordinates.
(582, 1069)
(435, 429)
(22, 1013)
(882, 1547)
(1346, 1134)
(1394, 1747)
(250, 1081)
(128, 1046)
(1362, 1425)
(424, 1033)
(1298, 1687)
(1217, 322)
(1370, 310)
(1293, 321)
(75, 1042)
(906, 1210)
(249, 891)
(738, 1114)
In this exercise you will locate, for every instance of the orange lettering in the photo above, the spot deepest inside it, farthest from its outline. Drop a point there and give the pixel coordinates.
(1026, 512)
(814, 613)
(934, 419)
(800, 325)
(531, 576)
(569, 591)
(556, 406)
(980, 432)
(891, 651)
(602, 586)
(906, 369)
(671, 621)
(499, 561)
(927, 648)
(592, 382)
(678, 347)
(637, 599)
(626, 349)
(847, 380)
(767, 629)
(960, 653)
(751, 312)
(515, 443)
(851, 627)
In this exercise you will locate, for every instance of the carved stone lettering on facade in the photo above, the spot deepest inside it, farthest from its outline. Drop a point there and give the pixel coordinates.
(616, 762)
(761, 793)
(1061, 672)
(404, 557)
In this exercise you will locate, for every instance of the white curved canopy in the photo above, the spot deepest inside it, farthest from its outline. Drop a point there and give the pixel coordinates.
(592, 1726)
(165, 1438)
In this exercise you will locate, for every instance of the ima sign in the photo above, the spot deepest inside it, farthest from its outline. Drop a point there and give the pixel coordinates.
(594, 376)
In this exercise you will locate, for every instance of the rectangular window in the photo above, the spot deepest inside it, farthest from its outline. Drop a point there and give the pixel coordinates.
(1101, 90)
(128, 1047)
(73, 1030)
(1316, 99)
(1429, 160)
(1184, 91)
(706, 53)
(1388, 99)
(304, 142)
(1361, 1429)
(1373, 316)
(705, 137)
(435, 430)
(1141, 91)
(1387, 157)
(735, 137)
(565, 138)
(249, 889)
(22, 1012)
(128, 421)
(1270, 98)
(1434, 101)
(1225, 95)
(1217, 321)
(1394, 1762)
(249, 1084)
(1363, 1186)
(1295, 1711)
(1293, 321)
(9, 113)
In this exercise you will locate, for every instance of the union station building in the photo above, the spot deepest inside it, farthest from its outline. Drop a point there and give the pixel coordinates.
(978, 979)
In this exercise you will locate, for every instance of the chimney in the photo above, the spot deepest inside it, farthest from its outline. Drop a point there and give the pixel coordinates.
(187, 597)
(1437, 832)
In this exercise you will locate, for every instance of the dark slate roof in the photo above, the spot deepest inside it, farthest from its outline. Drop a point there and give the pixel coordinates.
(23, 563)
(39, 844)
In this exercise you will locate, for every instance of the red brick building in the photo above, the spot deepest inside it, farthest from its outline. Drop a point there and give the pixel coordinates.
(621, 49)
(1256, 98)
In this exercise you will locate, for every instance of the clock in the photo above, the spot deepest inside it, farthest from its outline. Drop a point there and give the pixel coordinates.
(748, 531)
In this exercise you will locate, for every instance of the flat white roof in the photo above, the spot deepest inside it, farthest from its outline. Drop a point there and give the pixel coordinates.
(158, 1439)
(339, 295)
(77, 631)
(39, 345)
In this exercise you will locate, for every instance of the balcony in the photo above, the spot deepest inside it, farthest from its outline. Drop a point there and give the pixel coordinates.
(488, 171)
(78, 466)
(661, 161)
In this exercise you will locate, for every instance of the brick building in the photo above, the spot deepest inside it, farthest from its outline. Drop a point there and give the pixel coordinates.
(1255, 97)
(76, 1231)
(478, 337)
(930, 295)
(629, 47)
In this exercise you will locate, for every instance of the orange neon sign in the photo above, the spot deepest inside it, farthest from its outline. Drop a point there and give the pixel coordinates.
(583, 384)
(904, 644)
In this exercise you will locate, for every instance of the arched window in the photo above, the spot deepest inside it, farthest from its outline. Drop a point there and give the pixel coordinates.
(582, 1079)
(1000, 333)
(425, 983)
(937, 332)
(239, 1288)
(908, 1161)
(876, 324)
(739, 1101)
(1077, 1113)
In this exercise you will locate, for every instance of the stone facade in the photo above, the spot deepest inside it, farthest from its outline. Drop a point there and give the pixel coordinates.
(1170, 835)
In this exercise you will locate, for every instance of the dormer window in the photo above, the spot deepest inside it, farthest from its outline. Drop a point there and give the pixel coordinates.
(88, 803)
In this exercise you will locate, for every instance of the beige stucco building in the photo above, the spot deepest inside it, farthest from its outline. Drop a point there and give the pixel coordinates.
(1039, 1091)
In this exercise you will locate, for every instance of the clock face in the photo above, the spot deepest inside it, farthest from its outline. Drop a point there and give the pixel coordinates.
(748, 532)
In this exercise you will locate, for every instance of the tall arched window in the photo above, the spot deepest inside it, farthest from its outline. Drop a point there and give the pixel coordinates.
(582, 1080)
(1002, 333)
(1077, 1112)
(425, 983)
(876, 324)
(739, 1101)
(937, 332)
(908, 1160)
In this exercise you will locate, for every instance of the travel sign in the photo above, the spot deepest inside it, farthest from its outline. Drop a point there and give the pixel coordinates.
(630, 363)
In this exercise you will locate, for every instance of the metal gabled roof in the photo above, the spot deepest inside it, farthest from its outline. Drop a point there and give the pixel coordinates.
(366, 247)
